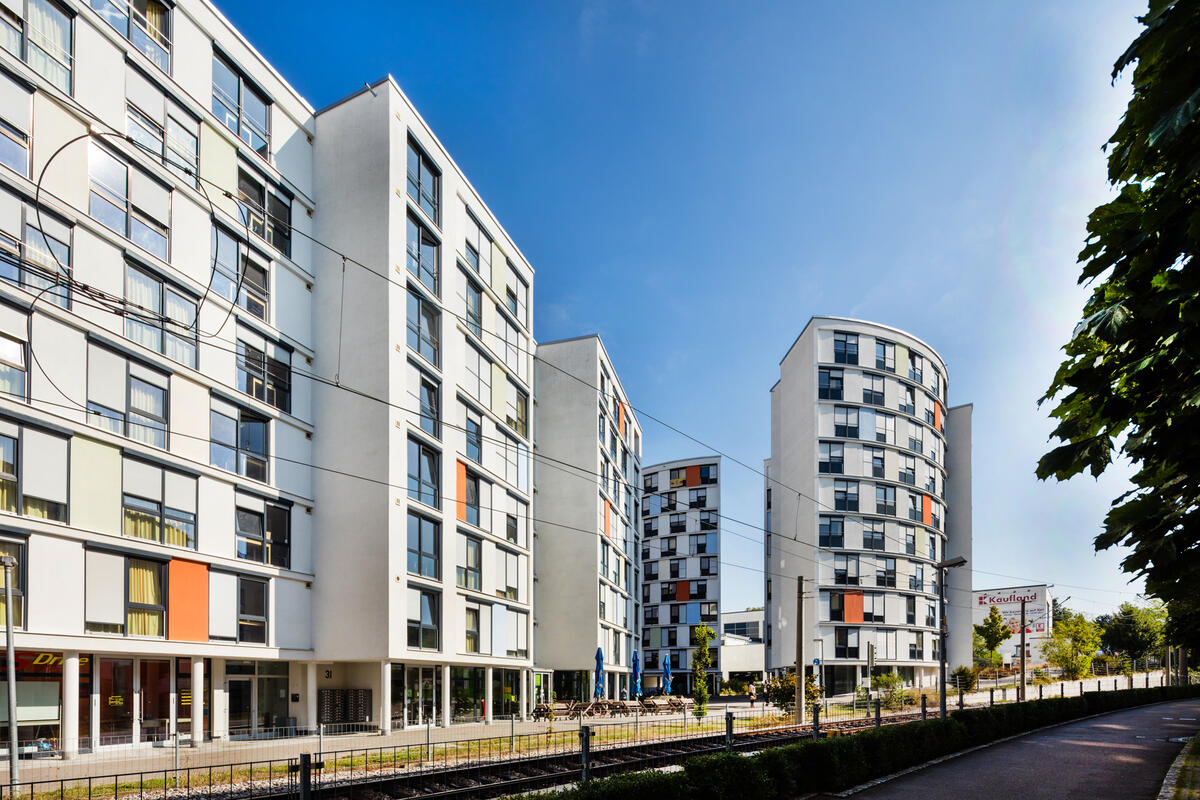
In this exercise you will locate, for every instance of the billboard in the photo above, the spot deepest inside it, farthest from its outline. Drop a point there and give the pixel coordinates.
(1008, 602)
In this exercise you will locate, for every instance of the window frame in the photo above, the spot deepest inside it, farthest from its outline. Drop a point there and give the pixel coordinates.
(419, 553)
(251, 621)
(239, 109)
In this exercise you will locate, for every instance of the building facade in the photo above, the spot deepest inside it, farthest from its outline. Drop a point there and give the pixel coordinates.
(177, 352)
(681, 557)
(867, 488)
(742, 650)
(587, 466)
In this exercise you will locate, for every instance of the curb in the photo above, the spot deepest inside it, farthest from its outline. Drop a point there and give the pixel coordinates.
(1168, 787)
(862, 787)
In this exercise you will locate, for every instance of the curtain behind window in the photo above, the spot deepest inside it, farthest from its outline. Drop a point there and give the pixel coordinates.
(145, 588)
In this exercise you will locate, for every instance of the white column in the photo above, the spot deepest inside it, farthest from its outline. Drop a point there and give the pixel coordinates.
(385, 697)
(446, 713)
(137, 699)
(94, 717)
(487, 695)
(70, 705)
(310, 695)
(197, 701)
(220, 703)
(526, 677)
(173, 714)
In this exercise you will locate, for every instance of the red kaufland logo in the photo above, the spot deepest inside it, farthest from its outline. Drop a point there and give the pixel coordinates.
(996, 600)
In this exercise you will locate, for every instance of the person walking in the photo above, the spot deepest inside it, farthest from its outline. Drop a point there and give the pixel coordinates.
(753, 694)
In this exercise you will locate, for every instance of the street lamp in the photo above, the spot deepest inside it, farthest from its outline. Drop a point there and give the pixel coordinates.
(942, 566)
(14, 776)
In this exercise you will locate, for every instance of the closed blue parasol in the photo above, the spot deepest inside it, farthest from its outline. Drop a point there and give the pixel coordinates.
(666, 673)
(637, 674)
(599, 672)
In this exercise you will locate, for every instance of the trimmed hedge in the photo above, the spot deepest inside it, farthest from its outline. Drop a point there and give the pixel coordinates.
(837, 763)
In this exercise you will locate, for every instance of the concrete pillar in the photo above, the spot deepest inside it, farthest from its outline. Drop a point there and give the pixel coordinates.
(198, 695)
(526, 677)
(487, 696)
(446, 713)
(385, 697)
(94, 717)
(137, 699)
(310, 695)
(173, 692)
(70, 705)
(220, 709)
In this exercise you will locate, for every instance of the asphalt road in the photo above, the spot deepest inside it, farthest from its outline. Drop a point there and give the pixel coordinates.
(1123, 756)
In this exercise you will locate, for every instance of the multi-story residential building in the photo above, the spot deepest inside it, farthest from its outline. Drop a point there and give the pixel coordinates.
(588, 454)
(867, 488)
(201, 403)
(681, 557)
(742, 648)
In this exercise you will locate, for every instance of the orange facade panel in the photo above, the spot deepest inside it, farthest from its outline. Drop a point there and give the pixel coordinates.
(621, 418)
(187, 601)
(460, 486)
(926, 509)
(937, 415)
(607, 518)
(682, 590)
(852, 607)
(693, 475)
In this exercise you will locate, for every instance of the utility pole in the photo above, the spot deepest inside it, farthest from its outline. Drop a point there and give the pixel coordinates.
(1021, 693)
(800, 650)
(14, 769)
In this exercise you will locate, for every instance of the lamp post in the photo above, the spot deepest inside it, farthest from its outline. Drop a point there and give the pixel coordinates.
(14, 774)
(942, 566)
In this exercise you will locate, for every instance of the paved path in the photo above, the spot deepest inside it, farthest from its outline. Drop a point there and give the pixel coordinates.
(1123, 756)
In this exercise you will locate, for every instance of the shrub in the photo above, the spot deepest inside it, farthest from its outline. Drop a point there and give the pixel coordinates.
(964, 677)
(891, 689)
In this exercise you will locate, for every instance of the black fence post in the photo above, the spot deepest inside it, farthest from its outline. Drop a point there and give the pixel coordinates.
(1062, 689)
(991, 697)
(878, 714)
(585, 751)
(729, 731)
(924, 709)
(960, 699)
(816, 715)
(305, 776)
(1040, 687)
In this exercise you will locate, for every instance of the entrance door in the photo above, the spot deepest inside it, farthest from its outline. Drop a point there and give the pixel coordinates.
(422, 693)
(241, 706)
(116, 700)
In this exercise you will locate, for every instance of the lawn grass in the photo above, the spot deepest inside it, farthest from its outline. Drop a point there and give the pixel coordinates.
(1187, 783)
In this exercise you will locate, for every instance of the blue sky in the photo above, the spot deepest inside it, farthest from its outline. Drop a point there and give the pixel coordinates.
(693, 182)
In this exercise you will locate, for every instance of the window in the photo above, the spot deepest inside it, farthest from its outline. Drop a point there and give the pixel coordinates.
(908, 405)
(885, 572)
(478, 246)
(708, 565)
(14, 126)
(517, 410)
(829, 384)
(13, 365)
(930, 616)
(424, 619)
(915, 367)
(831, 458)
(128, 202)
(42, 39)
(708, 520)
(126, 397)
(678, 523)
(873, 538)
(478, 378)
(668, 501)
(145, 23)
(678, 568)
(161, 127)
(424, 474)
(33, 473)
(873, 607)
(602, 599)
(424, 546)
(697, 498)
(239, 441)
(145, 608)
(873, 389)
(652, 571)
(885, 428)
(885, 355)
(424, 325)
(916, 649)
(910, 610)
(474, 308)
(873, 461)
(15, 550)
(517, 295)
(677, 477)
(698, 589)
(511, 530)
(423, 254)
(699, 543)
(845, 495)
(837, 606)
(473, 502)
(424, 181)
(263, 532)
(916, 581)
(830, 533)
(932, 544)
(469, 571)
(241, 107)
(160, 317)
(915, 438)
(708, 474)
(667, 547)
(845, 422)
(845, 348)
(908, 470)
(930, 418)
(158, 505)
(910, 539)
(650, 526)
(475, 437)
(264, 369)
(845, 643)
(937, 382)
(510, 342)
(266, 212)
(42, 259)
(885, 500)
(471, 625)
(845, 569)
(914, 507)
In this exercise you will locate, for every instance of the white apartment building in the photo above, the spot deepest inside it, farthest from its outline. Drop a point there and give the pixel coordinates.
(177, 353)
(588, 454)
(742, 648)
(867, 488)
(681, 558)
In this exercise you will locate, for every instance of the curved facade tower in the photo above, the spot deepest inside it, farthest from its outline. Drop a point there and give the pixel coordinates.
(868, 487)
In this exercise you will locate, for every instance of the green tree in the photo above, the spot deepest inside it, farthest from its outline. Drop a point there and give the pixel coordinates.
(781, 692)
(993, 631)
(701, 662)
(1133, 631)
(979, 653)
(1129, 387)
(1059, 610)
(1073, 645)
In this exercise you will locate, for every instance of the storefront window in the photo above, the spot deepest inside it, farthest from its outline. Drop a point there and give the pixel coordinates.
(467, 693)
(116, 700)
(39, 696)
(397, 694)
(506, 692)
(155, 687)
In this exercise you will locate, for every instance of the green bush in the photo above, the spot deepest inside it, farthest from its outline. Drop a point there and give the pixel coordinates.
(964, 677)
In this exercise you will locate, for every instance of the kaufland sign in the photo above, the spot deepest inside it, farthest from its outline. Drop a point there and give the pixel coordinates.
(1010, 597)
(1008, 602)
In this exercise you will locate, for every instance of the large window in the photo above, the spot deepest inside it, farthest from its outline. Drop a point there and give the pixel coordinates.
(423, 254)
(263, 531)
(33, 473)
(239, 441)
(424, 546)
(829, 384)
(145, 23)
(424, 327)
(845, 643)
(14, 126)
(478, 246)
(264, 369)
(265, 210)
(16, 550)
(469, 570)
(252, 610)
(517, 410)
(885, 355)
(159, 316)
(908, 470)
(873, 534)
(831, 458)
(126, 397)
(145, 609)
(478, 378)
(845, 495)
(885, 572)
(474, 302)
(508, 579)
(424, 619)
(845, 569)
(872, 389)
(424, 181)
(36, 255)
(161, 127)
(830, 532)
(40, 38)
(424, 476)
(128, 202)
(241, 106)
(885, 428)
(845, 348)
(13, 365)
(158, 505)
(845, 422)
(474, 431)
(885, 500)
